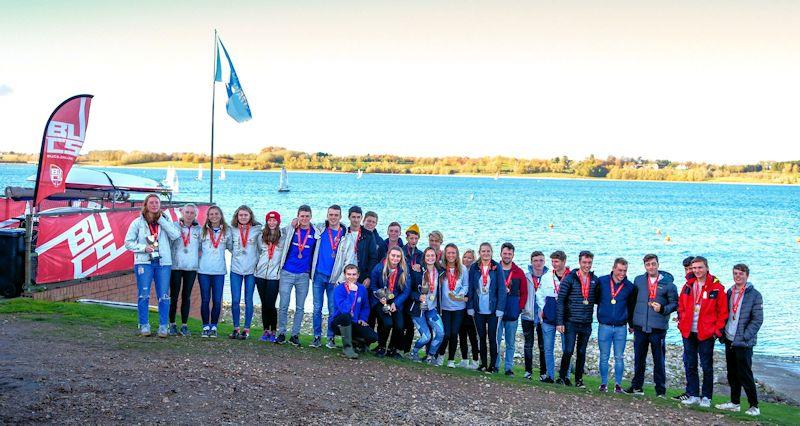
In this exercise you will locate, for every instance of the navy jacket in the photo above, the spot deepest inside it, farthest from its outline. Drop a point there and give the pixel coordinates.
(570, 307)
(751, 317)
(644, 317)
(383, 246)
(401, 290)
(343, 302)
(367, 254)
(618, 313)
(497, 287)
(419, 280)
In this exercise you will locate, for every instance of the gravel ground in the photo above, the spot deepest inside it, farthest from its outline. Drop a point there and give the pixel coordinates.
(53, 373)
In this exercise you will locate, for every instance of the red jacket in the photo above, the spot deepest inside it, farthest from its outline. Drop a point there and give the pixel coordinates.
(713, 309)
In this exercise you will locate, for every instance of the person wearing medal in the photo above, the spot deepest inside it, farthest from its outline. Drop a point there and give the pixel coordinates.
(654, 298)
(614, 309)
(532, 314)
(423, 307)
(212, 268)
(574, 314)
(245, 232)
(741, 329)
(149, 237)
(299, 251)
(687, 271)
(486, 300)
(435, 241)
(468, 333)
(452, 301)
(703, 310)
(414, 262)
(185, 260)
(268, 273)
(350, 313)
(365, 249)
(516, 287)
(392, 278)
(392, 240)
(549, 289)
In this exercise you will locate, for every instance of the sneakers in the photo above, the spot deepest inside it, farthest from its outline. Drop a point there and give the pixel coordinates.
(235, 334)
(542, 377)
(144, 330)
(396, 355)
(662, 396)
(691, 400)
(414, 356)
(438, 361)
(547, 379)
(634, 391)
(618, 389)
(244, 335)
(473, 365)
(265, 337)
(295, 341)
(464, 363)
(705, 402)
(206, 332)
(213, 332)
(579, 384)
(528, 375)
(316, 343)
(753, 411)
(682, 397)
(509, 373)
(331, 343)
(173, 329)
(281, 339)
(563, 381)
(163, 331)
(380, 352)
(185, 331)
(451, 364)
(603, 388)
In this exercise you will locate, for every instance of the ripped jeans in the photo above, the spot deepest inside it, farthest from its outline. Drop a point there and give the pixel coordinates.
(146, 274)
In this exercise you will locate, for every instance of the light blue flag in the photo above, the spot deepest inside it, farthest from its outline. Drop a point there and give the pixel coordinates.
(237, 105)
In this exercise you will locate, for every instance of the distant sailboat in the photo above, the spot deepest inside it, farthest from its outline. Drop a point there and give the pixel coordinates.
(171, 180)
(497, 176)
(199, 172)
(360, 173)
(283, 186)
(222, 173)
(175, 184)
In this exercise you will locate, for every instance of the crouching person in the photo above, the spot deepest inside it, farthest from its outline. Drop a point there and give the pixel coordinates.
(350, 313)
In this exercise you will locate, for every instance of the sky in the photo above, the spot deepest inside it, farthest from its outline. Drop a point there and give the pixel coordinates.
(714, 80)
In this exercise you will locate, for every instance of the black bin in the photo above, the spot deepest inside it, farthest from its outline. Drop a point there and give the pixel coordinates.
(12, 261)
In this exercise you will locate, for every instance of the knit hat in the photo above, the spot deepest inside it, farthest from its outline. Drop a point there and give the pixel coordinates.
(413, 229)
(273, 215)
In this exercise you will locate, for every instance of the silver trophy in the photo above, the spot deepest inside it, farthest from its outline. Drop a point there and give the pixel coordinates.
(152, 241)
(425, 292)
(381, 294)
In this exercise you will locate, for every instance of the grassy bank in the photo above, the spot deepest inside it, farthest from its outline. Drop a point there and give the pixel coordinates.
(74, 318)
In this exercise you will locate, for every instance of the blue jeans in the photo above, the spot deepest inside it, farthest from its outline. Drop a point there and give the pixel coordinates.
(322, 289)
(145, 275)
(236, 298)
(705, 349)
(655, 342)
(210, 286)
(549, 337)
(606, 336)
(509, 329)
(300, 284)
(575, 339)
(426, 323)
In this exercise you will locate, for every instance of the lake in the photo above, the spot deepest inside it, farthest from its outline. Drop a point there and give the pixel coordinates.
(727, 223)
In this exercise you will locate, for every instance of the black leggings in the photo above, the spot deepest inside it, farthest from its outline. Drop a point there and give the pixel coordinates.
(268, 293)
(408, 332)
(390, 322)
(452, 325)
(468, 330)
(361, 332)
(180, 282)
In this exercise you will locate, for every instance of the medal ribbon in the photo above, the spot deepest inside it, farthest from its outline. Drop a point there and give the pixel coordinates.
(614, 292)
(186, 238)
(451, 279)
(508, 279)
(584, 285)
(537, 281)
(652, 288)
(271, 249)
(358, 237)
(696, 292)
(215, 242)
(301, 245)
(355, 298)
(244, 236)
(410, 256)
(485, 274)
(335, 241)
(737, 297)
(155, 229)
(392, 280)
(432, 280)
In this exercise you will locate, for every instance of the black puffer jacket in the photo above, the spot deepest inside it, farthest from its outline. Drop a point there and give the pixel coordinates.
(570, 307)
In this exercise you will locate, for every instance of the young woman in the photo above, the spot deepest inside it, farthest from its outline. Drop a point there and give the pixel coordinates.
(452, 301)
(245, 233)
(212, 268)
(149, 238)
(268, 273)
(487, 298)
(350, 313)
(390, 287)
(468, 332)
(185, 259)
(423, 308)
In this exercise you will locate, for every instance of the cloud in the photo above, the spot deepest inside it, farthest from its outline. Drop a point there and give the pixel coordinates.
(5, 90)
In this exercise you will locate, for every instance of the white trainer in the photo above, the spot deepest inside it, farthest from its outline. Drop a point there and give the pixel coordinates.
(753, 411)
(705, 402)
(692, 400)
(728, 406)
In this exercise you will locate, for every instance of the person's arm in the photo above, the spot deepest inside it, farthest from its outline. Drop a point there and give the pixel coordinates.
(501, 291)
(401, 298)
(340, 299)
(229, 238)
(561, 301)
(523, 292)
(470, 294)
(756, 318)
(375, 279)
(132, 237)
(415, 287)
(672, 301)
(540, 297)
(172, 231)
(722, 312)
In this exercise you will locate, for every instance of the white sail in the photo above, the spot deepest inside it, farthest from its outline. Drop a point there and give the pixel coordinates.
(222, 173)
(360, 173)
(199, 172)
(283, 186)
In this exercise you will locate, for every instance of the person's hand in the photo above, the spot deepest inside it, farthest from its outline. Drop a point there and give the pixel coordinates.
(416, 267)
(383, 301)
(471, 312)
(541, 316)
(366, 283)
(149, 249)
(421, 297)
(560, 329)
(364, 323)
(508, 290)
(630, 330)
(295, 222)
(656, 306)
(452, 296)
(393, 308)
(675, 318)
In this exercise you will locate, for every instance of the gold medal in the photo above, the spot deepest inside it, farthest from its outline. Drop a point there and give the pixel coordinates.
(390, 296)
(613, 301)
(697, 308)
(585, 302)
(300, 255)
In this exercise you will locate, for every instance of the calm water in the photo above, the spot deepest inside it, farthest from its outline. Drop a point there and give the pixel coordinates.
(757, 225)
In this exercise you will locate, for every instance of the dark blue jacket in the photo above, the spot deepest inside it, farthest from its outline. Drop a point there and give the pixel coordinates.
(367, 254)
(420, 279)
(621, 312)
(570, 307)
(413, 257)
(383, 246)
(643, 316)
(401, 290)
(343, 301)
(517, 288)
(751, 317)
(497, 287)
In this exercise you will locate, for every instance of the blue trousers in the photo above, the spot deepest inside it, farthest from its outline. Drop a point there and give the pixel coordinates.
(704, 349)
(210, 289)
(236, 298)
(146, 274)
(322, 289)
(431, 330)
(608, 335)
(509, 330)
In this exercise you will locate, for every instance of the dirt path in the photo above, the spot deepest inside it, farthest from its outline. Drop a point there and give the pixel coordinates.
(53, 373)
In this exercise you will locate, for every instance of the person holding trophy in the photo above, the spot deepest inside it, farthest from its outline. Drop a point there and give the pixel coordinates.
(423, 308)
(390, 286)
(149, 237)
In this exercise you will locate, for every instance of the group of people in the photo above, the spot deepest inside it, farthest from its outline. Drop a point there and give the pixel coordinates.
(388, 291)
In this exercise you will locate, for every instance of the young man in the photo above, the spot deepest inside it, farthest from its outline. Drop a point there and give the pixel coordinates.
(654, 298)
(366, 247)
(703, 312)
(393, 240)
(550, 285)
(350, 313)
(335, 250)
(371, 223)
(687, 272)
(741, 329)
(299, 250)
(575, 311)
(516, 288)
(532, 314)
(614, 308)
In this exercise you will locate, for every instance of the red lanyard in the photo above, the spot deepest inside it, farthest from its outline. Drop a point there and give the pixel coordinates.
(485, 273)
(334, 241)
(301, 246)
(355, 297)
(737, 297)
(584, 285)
(154, 229)
(271, 249)
(614, 292)
(244, 236)
(358, 237)
(508, 279)
(215, 242)
(652, 288)
(392, 280)
(187, 237)
(537, 281)
(557, 281)
(451, 279)
(696, 290)
(432, 280)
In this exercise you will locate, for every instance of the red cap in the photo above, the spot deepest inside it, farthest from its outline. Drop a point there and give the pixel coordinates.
(273, 215)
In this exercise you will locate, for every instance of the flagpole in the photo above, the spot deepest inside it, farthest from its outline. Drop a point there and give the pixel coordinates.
(213, 99)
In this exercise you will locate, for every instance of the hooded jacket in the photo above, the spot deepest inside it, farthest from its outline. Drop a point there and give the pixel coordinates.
(570, 306)
(136, 240)
(190, 260)
(751, 316)
(643, 315)
(713, 309)
(516, 285)
(496, 290)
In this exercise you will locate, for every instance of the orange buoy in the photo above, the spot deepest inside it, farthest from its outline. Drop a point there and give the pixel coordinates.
(798, 239)
(553, 226)
(667, 238)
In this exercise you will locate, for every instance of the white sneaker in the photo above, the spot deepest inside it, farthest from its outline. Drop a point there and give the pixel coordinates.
(473, 365)
(438, 361)
(705, 402)
(753, 411)
(144, 329)
(163, 331)
(464, 363)
(451, 364)
(728, 406)
(692, 400)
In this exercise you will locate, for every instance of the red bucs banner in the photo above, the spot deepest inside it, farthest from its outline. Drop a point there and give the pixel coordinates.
(61, 144)
(81, 245)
